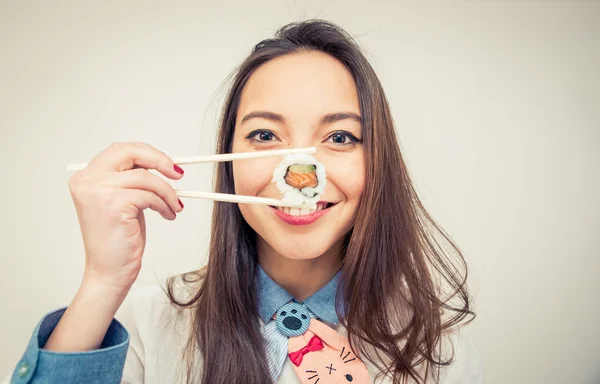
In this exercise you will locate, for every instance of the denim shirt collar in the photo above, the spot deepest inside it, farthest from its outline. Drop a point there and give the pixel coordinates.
(271, 296)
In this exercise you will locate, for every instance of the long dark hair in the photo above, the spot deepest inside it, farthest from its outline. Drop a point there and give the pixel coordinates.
(403, 279)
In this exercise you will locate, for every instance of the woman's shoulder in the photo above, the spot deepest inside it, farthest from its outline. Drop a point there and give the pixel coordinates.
(457, 347)
(158, 328)
(152, 306)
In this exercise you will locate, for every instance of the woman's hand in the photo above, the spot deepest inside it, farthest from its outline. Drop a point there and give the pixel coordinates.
(110, 197)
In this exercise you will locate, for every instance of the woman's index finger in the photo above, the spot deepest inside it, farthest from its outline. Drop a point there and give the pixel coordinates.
(125, 156)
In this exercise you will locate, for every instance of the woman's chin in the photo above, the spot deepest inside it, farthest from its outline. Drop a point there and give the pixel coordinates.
(301, 254)
(301, 251)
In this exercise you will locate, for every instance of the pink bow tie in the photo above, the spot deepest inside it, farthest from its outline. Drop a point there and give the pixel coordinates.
(314, 344)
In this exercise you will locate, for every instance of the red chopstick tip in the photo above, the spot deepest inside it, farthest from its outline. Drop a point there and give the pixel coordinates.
(178, 169)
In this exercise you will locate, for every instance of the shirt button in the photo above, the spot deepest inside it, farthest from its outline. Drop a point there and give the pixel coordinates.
(23, 369)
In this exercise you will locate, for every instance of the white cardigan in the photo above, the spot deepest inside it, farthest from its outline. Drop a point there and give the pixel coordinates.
(159, 333)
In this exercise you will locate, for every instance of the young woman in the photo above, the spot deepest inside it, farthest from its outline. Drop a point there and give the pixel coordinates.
(366, 288)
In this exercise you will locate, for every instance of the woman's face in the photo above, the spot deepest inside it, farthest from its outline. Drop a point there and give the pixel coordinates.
(295, 101)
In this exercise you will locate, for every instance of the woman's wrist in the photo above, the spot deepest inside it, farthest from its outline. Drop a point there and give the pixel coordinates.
(86, 320)
(96, 286)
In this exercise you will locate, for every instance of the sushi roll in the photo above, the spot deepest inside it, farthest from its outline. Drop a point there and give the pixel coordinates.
(300, 179)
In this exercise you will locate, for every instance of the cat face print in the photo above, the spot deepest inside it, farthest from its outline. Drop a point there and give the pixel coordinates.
(338, 368)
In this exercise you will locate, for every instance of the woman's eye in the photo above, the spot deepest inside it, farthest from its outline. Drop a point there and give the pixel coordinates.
(342, 138)
(262, 136)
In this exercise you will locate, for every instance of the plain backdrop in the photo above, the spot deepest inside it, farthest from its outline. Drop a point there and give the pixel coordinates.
(497, 105)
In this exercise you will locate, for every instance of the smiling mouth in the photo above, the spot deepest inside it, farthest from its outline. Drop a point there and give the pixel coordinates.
(303, 216)
(304, 211)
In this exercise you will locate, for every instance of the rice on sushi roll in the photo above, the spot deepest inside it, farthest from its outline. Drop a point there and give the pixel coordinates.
(301, 179)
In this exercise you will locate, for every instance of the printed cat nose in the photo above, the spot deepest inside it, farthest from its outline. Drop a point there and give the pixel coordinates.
(292, 323)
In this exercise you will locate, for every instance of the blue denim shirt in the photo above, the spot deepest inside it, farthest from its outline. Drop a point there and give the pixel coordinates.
(271, 296)
(105, 365)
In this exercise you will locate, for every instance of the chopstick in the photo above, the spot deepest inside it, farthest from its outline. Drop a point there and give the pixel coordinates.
(230, 157)
(223, 157)
(243, 155)
(237, 198)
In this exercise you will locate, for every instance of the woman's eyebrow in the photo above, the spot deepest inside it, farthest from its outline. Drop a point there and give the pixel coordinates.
(264, 115)
(334, 117)
(327, 119)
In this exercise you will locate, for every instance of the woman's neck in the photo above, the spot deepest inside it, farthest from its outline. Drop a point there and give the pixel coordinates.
(301, 278)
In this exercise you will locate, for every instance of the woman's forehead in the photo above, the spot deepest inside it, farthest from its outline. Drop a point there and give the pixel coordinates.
(300, 86)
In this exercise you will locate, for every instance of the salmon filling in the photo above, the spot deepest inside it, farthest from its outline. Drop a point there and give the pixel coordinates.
(301, 176)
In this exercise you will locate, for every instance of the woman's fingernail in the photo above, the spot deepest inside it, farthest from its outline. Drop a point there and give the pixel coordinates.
(180, 203)
(178, 169)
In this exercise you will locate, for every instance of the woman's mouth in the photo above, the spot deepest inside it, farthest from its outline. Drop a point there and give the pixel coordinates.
(303, 216)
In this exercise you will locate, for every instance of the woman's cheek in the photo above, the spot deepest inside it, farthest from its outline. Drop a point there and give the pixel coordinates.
(357, 181)
(348, 175)
(252, 175)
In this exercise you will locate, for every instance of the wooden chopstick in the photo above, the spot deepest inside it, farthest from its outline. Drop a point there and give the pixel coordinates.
(230, 157)
(238, 199)
(223, 157)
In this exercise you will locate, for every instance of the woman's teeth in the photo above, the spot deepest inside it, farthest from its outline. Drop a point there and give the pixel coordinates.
(299, 211)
